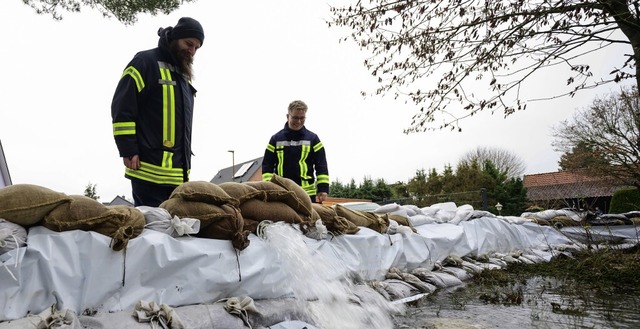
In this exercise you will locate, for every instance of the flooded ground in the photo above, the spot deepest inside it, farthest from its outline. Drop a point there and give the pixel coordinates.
(540, 302)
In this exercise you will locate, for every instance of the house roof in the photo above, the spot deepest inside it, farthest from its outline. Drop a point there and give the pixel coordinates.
(119, 201)
(239, 172)
(568, 185)
(5, 178)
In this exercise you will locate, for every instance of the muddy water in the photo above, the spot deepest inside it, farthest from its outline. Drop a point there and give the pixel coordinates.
(537, 303)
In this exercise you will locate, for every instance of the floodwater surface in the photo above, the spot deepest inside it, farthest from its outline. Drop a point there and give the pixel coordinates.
(540, 303)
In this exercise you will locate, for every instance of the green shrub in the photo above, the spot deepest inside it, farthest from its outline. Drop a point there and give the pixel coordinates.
(625, 200)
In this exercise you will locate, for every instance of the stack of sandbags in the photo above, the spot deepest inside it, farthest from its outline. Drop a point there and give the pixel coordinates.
(83, 213)
(337, 225)
(366, 219)
(283, 201)
(217, 211)
(27, 204)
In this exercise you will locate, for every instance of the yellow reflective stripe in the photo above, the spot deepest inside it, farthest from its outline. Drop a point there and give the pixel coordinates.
(309, 188)
(317, 147)
(271, 148)
(304, 170)
(267, 176)
(167, 159)
(163, 171)
(135, 75)
(323, 179)
(154, 179)
(124, 128)
(280, 166)
(168, 106)
(157, 174)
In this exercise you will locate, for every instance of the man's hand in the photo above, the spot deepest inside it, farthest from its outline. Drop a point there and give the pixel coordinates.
(321, 197)
(132, 162)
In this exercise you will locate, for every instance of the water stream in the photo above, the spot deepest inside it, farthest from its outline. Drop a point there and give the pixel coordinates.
(540, 303)
(334, 301)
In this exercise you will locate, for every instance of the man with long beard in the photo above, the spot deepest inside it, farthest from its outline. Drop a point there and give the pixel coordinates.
(152, 113)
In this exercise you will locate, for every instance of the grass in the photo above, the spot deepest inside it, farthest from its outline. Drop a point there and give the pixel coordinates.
(608, 268)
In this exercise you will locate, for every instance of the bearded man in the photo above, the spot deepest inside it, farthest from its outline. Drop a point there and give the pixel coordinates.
(152, 113)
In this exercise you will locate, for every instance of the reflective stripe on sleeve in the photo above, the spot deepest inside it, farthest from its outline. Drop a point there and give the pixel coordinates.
(124, 128)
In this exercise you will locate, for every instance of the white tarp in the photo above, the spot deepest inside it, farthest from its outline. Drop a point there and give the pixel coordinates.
(79, 271)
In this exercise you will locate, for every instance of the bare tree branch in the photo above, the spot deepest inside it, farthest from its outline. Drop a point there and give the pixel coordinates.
(481, 52)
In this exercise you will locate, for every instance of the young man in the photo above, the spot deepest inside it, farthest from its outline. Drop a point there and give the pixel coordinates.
(298, 154)
(152, 113)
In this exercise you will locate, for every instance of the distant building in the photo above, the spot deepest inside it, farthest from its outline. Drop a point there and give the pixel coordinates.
(252, 171)
(5, 178)
(570, 189)
(240, 172)
(118, 201)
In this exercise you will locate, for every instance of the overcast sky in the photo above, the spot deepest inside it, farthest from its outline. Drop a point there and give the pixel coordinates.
(59, 78)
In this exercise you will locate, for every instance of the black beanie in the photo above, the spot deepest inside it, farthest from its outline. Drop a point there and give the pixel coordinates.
(187, 27)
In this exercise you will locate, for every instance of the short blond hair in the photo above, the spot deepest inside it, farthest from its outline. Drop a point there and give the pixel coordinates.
(297, 105)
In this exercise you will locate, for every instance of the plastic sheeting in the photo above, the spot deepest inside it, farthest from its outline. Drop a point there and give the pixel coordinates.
(79, 272)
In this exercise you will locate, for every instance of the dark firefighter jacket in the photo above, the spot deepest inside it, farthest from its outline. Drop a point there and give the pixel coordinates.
(296, 155)
(152, 112)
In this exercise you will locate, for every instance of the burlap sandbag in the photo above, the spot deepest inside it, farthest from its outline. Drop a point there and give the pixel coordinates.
(340, 225)
(27, 204)
(325, 212)
(202, 191)
(241, 191)
(132, 225)
(205, 212)
(87, 214)
(250, 225)
(229, 228)
(363, 218)
(302, 202)
(275, 211)
(272, 191)
(402, 220)
(335, 224)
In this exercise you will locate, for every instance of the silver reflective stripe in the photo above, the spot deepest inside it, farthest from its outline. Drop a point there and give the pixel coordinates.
(166, 82)
(293, 143)
(165, 65)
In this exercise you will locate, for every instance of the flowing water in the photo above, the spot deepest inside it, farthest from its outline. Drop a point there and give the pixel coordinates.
(538, 303)
(322, 282)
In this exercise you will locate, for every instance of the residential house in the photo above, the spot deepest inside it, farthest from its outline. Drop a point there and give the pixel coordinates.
(570, 189)
(252, 171)
(119, 201)
(241, 172)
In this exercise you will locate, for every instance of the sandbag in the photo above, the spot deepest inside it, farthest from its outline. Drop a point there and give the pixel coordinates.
(159, 219)
(325, 212)
(87, 214)
(241, 191)
(202, 191)
(250, 225)
(205, 212)
(402, 220)
(301, 202)
(337, 225)
(363, 218)
(274, 211)
(271, 190)
(27, 204)
(230, 228)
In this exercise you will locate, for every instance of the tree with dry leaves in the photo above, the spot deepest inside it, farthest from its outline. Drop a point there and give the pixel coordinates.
(126, 11)
(455, 58)
(507, 163)
(609, 131)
